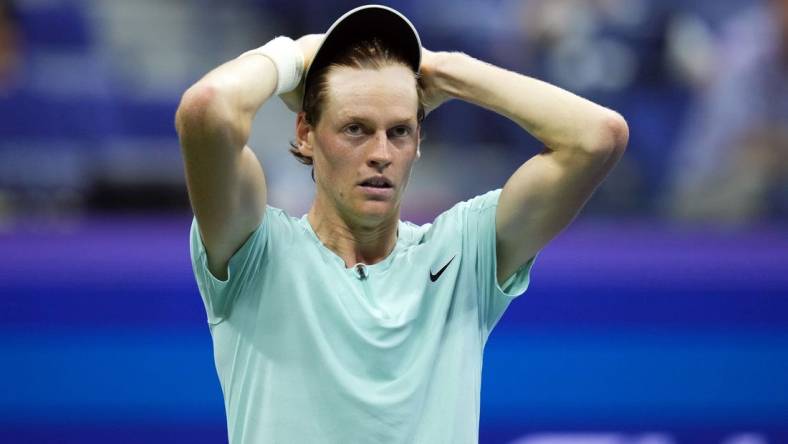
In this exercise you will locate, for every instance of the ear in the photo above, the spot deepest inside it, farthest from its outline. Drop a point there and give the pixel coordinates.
(303, 131)
(418, 143)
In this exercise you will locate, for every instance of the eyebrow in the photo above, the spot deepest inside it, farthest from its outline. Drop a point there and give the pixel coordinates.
(366, 121)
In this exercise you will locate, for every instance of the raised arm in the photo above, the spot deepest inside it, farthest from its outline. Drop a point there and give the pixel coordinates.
(225, 181)
(583, 141)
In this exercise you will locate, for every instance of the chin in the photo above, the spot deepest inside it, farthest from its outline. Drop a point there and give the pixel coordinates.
(377, 210)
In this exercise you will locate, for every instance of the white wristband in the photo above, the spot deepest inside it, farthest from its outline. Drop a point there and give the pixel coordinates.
(287, 58)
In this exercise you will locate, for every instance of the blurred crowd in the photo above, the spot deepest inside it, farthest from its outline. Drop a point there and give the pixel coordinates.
(88, 89)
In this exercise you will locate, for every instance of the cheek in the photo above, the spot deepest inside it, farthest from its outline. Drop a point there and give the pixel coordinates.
(407, 173)
(333, 158)
(328, 152)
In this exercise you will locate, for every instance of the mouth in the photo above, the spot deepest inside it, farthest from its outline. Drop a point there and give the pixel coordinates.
(377, 182)
(377, 188)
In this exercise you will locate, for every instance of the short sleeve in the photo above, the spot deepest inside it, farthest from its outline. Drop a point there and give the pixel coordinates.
(242, 268)
(479, 242)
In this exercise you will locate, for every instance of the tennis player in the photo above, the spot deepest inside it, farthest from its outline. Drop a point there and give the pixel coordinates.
(349, 325)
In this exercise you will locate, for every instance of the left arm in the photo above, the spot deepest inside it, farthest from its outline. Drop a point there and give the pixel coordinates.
(583, 141)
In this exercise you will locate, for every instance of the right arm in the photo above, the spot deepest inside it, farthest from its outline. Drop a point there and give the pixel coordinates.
(225, 181)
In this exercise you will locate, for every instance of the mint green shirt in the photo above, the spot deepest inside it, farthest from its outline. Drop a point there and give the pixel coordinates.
(309, 351)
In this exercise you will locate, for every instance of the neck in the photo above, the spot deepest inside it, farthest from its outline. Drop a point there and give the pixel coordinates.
(351, 240)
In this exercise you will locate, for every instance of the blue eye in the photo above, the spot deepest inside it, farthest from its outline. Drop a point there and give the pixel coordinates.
(354, 129)
(400, 131)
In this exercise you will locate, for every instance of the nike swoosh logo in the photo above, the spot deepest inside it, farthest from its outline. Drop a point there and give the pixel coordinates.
(434, 277)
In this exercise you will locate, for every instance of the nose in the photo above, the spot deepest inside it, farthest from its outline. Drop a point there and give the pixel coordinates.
(380, 152)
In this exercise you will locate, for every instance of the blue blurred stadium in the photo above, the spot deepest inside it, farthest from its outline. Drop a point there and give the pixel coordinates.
(660, 316)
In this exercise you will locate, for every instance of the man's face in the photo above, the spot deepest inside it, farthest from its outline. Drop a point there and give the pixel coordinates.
(367, 139)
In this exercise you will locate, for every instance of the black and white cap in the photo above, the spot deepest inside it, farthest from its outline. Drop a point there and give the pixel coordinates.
(388, 25)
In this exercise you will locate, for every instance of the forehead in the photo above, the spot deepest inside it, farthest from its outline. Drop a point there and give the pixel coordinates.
(387, 93)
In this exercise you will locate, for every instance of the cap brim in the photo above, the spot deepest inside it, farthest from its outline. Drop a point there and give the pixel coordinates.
(368, 22)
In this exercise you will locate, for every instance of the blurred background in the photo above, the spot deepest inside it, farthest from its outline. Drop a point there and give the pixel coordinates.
(660, 316)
